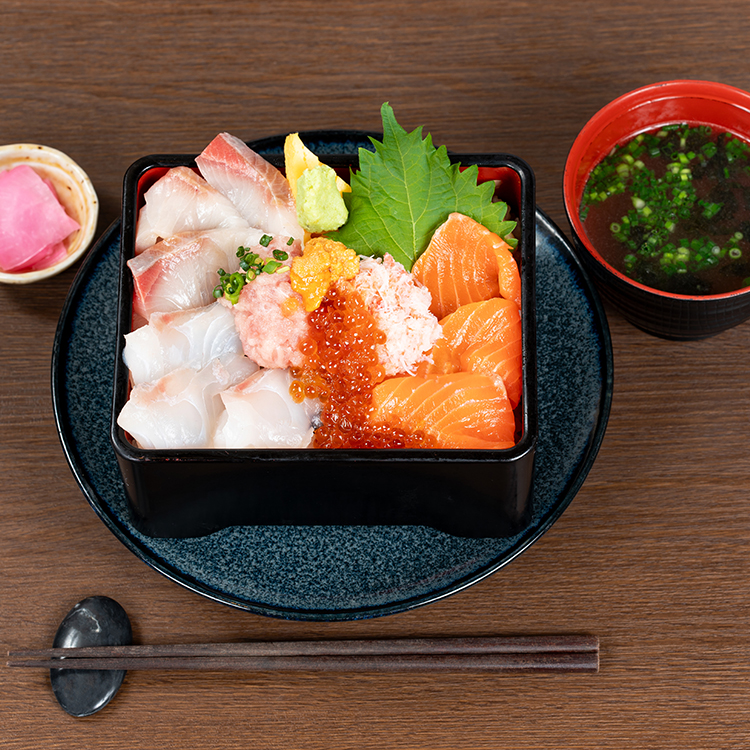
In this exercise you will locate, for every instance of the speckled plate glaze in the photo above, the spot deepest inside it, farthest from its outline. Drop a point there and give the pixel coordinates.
(335, 572)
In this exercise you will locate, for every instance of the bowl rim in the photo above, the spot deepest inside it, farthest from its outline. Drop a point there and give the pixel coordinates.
(654, 92)
(54, 157)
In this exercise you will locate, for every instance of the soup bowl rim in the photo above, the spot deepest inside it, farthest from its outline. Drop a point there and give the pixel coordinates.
(651, 93)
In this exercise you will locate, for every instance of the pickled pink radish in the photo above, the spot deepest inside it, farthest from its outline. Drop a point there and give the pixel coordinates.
(33, 223)
(52, 254)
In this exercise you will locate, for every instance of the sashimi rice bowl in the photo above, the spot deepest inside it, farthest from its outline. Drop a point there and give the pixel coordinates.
(327, 339)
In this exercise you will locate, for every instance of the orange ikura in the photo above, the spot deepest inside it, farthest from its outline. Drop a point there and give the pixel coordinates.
(341, 369)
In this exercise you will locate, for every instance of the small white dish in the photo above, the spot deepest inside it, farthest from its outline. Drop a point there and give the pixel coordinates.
(75, 192)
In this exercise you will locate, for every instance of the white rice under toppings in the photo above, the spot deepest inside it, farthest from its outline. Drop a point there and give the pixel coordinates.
(401, 308)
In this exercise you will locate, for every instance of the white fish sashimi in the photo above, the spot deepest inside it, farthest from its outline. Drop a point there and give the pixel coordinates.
(181, 410)
(182, 201)
(260, 413)
(259, 191)
(189, 338)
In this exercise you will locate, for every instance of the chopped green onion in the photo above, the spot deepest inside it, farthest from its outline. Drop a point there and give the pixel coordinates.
(710, 210)
(271, 266)
(251, 264)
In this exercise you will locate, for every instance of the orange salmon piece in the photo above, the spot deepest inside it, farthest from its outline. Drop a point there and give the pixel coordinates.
(464, 263)
(482, 337)
(461, 410)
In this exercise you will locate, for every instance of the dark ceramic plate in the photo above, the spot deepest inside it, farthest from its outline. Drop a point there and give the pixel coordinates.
(337, 572)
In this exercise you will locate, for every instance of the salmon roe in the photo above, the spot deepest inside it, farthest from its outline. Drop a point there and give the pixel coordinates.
(341, 368)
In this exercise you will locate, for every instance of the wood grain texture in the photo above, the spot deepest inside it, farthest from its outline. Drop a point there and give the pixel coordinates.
(652, 555)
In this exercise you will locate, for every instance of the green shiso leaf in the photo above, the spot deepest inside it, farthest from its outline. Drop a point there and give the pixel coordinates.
(405, 189)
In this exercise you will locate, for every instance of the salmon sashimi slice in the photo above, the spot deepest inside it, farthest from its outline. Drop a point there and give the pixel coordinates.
(464, 263)
(460, 410)
(259, 191)
(482, 337)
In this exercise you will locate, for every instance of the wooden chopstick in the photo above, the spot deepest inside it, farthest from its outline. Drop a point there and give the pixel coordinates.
(513, 653)
(571, 661)
(463, 645)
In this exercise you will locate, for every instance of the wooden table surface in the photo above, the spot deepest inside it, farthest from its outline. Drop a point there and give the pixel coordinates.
(653, 554)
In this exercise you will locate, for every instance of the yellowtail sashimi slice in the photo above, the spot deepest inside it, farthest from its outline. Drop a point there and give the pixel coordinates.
(259, 191)
(181, 272)
(182, 201)
(178, 273)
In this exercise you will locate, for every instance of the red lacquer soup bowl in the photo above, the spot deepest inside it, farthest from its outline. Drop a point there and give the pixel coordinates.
(661, 313)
